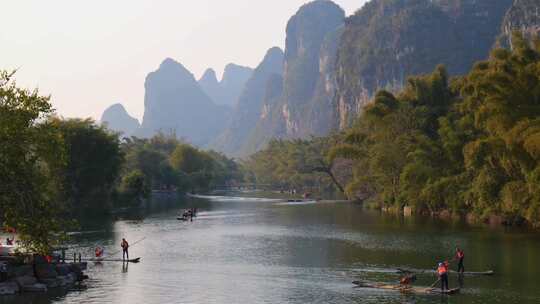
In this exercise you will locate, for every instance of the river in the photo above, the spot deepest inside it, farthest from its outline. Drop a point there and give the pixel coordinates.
(241, 250)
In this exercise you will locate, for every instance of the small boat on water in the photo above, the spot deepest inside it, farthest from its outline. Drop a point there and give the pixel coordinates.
(300, 200)
(187, 215)
(467, 273)
(405, 289)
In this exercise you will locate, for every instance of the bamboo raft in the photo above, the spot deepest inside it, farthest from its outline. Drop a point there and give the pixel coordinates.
(406, 289)
(467, 273)
(136, 260)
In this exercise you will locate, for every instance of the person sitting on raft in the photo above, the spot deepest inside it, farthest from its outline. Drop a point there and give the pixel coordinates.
(442, 271)
(99, 252)
(407, 280)
(460, 255)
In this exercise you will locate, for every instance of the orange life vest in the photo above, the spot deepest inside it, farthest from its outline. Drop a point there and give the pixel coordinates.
(442, 270)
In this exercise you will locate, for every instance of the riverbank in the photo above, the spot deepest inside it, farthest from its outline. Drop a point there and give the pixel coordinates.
(38, 275)
(471, 218)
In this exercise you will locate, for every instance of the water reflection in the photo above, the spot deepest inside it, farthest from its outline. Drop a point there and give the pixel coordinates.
(461, 280)
(256, 251)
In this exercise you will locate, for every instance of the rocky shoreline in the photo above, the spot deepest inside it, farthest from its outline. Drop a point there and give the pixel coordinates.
(38, 275)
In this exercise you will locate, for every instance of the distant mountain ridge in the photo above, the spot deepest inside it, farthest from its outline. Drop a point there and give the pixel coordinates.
(210, 85)
(523, 17)
(175, 102)
(250, 104)
(228, 90)
(330, 69)
(117, 119)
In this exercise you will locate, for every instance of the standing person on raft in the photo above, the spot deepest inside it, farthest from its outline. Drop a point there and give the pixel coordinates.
(125, 246)
(460, 255)
(442, 271)
(9, 241)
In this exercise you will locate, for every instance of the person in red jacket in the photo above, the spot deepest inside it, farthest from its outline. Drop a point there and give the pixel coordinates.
(99, 252)
(442, 272)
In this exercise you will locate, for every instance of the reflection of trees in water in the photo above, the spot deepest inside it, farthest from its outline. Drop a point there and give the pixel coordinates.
(102, 227)
(52, 296)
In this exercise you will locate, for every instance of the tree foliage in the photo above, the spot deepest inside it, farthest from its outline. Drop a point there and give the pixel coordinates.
(472, 144)
(93, 162)
(30, 154)
(167, 163)
(296, 164)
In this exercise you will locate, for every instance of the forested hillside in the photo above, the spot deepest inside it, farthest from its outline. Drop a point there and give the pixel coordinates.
(466, 145)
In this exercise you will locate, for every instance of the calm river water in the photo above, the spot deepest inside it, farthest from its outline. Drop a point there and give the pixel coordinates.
(264, 251)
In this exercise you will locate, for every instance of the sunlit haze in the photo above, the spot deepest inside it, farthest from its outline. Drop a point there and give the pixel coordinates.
(90, 54)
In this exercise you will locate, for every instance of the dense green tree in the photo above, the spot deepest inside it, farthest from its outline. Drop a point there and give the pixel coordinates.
(30, 155)
(134, 186)
(189, 159)
(93, 162)
(168, 163)
(501, 106)
(148, 161)
(394, 143)
(296, 164)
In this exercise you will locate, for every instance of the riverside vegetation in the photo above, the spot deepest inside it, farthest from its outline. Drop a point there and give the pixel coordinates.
(55, 169)
(468, 145)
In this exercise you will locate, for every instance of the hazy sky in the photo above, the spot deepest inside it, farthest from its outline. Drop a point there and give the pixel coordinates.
(91, 54)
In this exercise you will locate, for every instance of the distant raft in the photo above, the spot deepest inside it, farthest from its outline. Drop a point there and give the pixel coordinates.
(467, 273)
(405, 289)
(136, 260)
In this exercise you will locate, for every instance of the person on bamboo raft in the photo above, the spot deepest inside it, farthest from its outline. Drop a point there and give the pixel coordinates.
(9, 241)
(442, 271)
(407, 280)
(125, 246)
(460, 255)
(99, 252)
